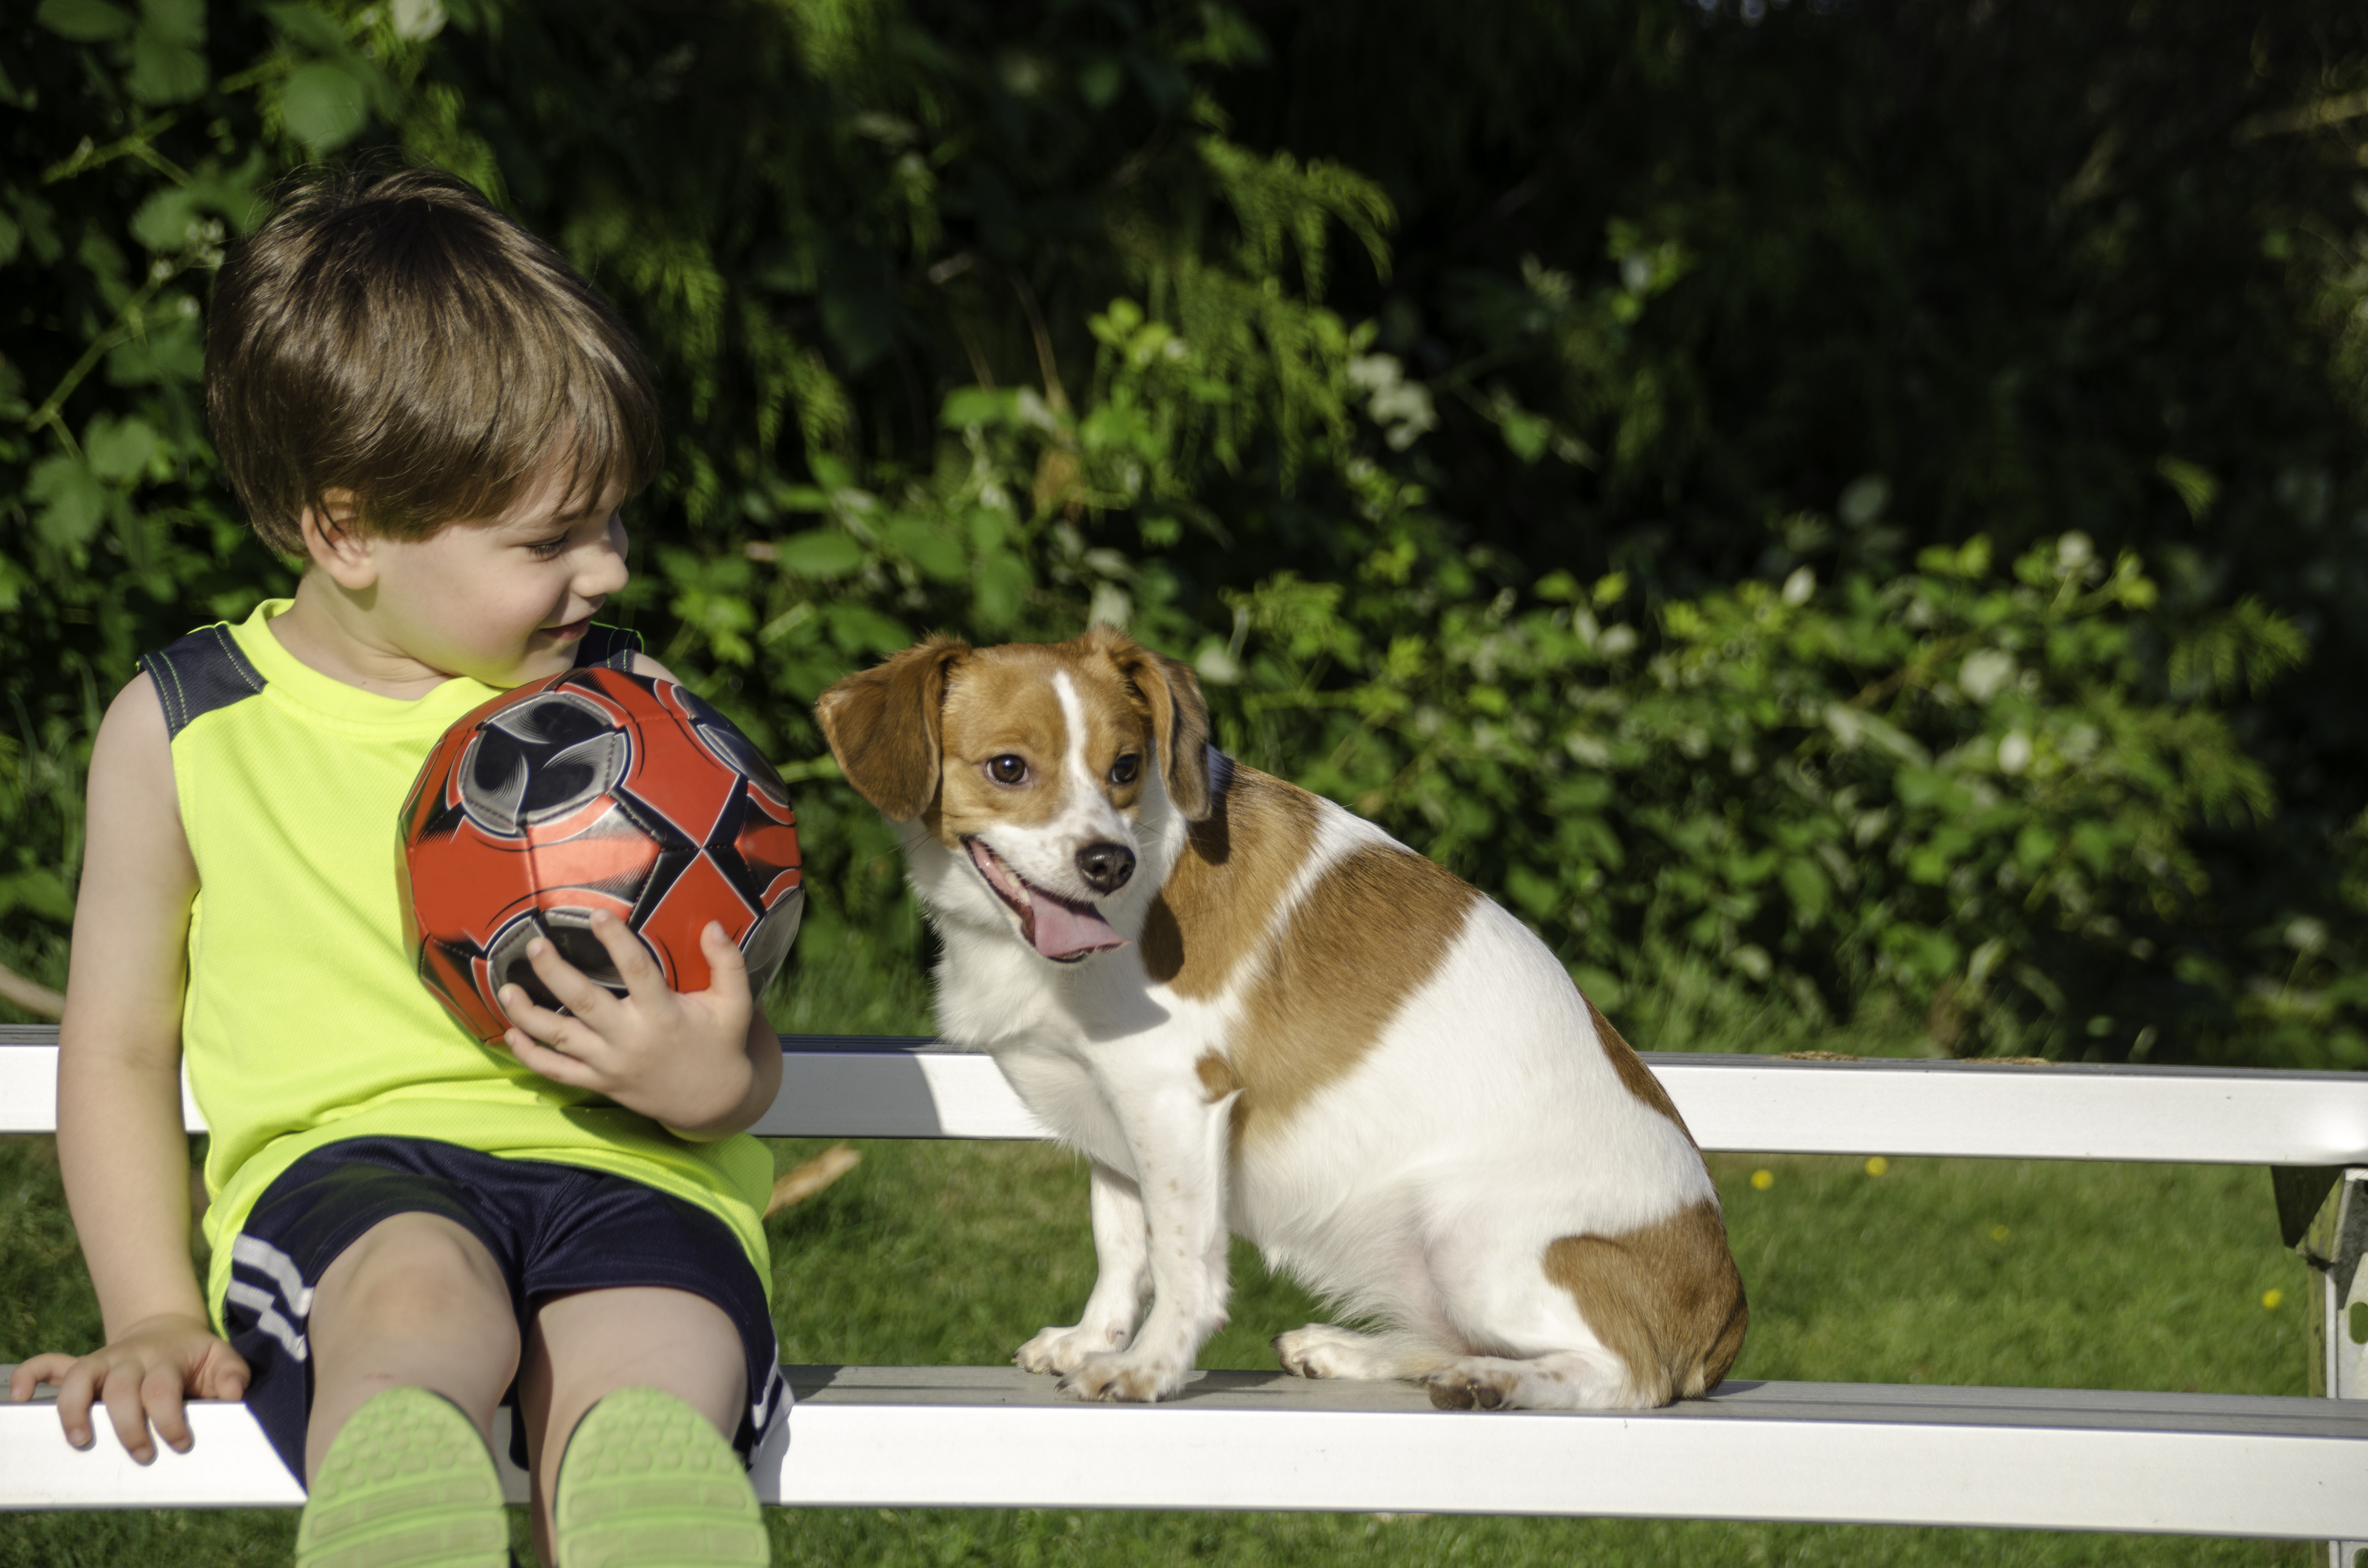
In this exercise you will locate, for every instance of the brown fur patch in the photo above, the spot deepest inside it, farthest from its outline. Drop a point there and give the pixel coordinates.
(1002, 703)
(1216, 1077)
(1168, 695)
(881, 724)
(1665, 1298)
(1374, 927)
(1635, 1076)
(1222, 894)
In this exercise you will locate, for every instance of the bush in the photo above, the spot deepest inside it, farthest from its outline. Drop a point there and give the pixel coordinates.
(998, 321)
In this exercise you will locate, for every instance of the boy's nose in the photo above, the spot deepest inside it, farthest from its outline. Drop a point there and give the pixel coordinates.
(603, 571)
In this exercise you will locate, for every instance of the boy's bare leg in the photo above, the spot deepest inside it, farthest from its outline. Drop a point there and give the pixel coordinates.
(589, 1343)
(416, 1303)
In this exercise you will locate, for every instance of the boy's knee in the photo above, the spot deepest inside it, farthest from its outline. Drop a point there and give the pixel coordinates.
(417, 1269)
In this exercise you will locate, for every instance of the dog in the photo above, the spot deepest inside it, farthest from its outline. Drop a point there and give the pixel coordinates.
(1252, 1010)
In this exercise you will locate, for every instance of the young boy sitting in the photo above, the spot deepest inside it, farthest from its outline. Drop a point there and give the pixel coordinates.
(441, 418)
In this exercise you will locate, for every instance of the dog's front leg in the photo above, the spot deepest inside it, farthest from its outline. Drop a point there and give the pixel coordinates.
(1180, 1142)
(1121, 1252)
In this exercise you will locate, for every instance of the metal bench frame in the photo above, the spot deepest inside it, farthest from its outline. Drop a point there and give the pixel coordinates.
(2043, 1458)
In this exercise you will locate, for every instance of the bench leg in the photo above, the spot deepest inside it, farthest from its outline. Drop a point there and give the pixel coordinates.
(2333, 1244)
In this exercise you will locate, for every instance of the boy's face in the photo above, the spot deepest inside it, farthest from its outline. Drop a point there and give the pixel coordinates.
(503, 599)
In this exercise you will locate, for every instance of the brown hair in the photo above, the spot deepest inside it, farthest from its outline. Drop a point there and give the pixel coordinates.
(396, 336)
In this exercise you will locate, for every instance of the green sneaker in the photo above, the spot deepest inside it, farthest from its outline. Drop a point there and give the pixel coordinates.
(407, 1485)
(646, 1482)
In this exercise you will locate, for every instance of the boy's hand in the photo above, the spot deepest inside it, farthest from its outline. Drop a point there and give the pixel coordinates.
(143, 1377)
(685, 1059)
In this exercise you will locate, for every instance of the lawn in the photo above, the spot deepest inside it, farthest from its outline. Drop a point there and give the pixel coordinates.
(1940, 1271)
(1945, 1271)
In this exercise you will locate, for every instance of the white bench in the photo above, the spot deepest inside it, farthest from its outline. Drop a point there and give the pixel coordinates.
(992, 1436)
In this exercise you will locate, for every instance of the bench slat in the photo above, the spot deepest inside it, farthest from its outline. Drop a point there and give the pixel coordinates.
(869, 1086)
(918, 1436)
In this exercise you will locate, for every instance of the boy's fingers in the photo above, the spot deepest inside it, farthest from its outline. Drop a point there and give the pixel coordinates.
(635, 966)
(47, 1367)
(528, 1014)
(572, 986)
(76, 1389)
(223, 1375)
(554, 1065)
(161, 1395)
(126, 1415)
(728, 967)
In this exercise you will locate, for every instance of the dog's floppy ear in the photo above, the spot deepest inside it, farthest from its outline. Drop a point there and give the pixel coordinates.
(1179, 716)
(884, 726)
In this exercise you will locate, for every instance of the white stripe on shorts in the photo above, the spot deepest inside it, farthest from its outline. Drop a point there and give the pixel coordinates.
(267, 1260)
(266, 1309)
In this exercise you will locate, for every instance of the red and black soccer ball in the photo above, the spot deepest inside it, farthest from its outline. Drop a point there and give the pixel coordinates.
(593, 789)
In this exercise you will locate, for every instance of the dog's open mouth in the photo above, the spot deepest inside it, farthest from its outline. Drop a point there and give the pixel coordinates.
(1055, 926)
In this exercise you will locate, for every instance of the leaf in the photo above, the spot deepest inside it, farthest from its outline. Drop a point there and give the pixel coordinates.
(41, 891)
(120, 450)
(860, 629)
(84, 21)
(321, 106)
(1002, 587)
(164, 71)
(417, 20)
(1806, 885)
(966, 407)
(163, 221)
(70, 498)
(311, 28)
(2197, 489)
(175, 21)
(935, 550)
(175, 352)
(821, 552)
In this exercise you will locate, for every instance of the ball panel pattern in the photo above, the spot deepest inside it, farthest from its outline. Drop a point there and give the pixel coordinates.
(594, 789)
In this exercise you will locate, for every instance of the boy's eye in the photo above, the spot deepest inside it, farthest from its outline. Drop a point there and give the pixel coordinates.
(1123, 771)
(548, 549)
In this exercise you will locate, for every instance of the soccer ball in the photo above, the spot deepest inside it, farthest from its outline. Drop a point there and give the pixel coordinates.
(593, 789)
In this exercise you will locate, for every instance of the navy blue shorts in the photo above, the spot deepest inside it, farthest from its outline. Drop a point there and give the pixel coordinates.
(551, 1228)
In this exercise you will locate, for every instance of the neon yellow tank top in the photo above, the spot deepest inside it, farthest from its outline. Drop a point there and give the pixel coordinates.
(304, 1022)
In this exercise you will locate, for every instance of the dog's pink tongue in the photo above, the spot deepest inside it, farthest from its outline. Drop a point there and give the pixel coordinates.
(1065, 930)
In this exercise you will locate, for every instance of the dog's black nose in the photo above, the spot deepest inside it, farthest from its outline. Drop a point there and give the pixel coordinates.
(1106, 866)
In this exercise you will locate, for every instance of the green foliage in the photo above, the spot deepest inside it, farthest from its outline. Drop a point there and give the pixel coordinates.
(1545, 432)
(1941, 787)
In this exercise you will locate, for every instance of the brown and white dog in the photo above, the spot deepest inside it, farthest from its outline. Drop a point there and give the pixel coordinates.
(1250, 1008)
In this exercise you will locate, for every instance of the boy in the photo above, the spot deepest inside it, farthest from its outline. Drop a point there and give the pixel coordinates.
(431, 409)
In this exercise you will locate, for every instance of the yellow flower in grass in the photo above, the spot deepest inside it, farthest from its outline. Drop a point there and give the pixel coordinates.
(1876, 1164)
(1999, 1232)
(1762, 1180)
(2273, 1300)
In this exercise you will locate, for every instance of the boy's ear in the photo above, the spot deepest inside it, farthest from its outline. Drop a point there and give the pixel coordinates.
(336, 546)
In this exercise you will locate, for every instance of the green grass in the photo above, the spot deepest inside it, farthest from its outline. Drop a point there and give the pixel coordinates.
(2105, 1275)
(1942, 1271)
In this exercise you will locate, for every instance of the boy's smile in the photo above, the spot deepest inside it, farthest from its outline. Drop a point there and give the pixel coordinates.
(503, 600)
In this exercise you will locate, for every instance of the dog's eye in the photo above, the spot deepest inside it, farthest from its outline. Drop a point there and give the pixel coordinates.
(1008, 770)
(1123, 771)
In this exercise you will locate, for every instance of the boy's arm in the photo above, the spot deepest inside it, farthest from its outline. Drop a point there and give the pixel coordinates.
(120, 1142)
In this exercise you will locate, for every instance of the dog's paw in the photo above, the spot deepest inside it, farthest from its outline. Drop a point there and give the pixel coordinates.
(1124, 1380)
(1319, 1350)
(1064, 1350)
(1471, 1385)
